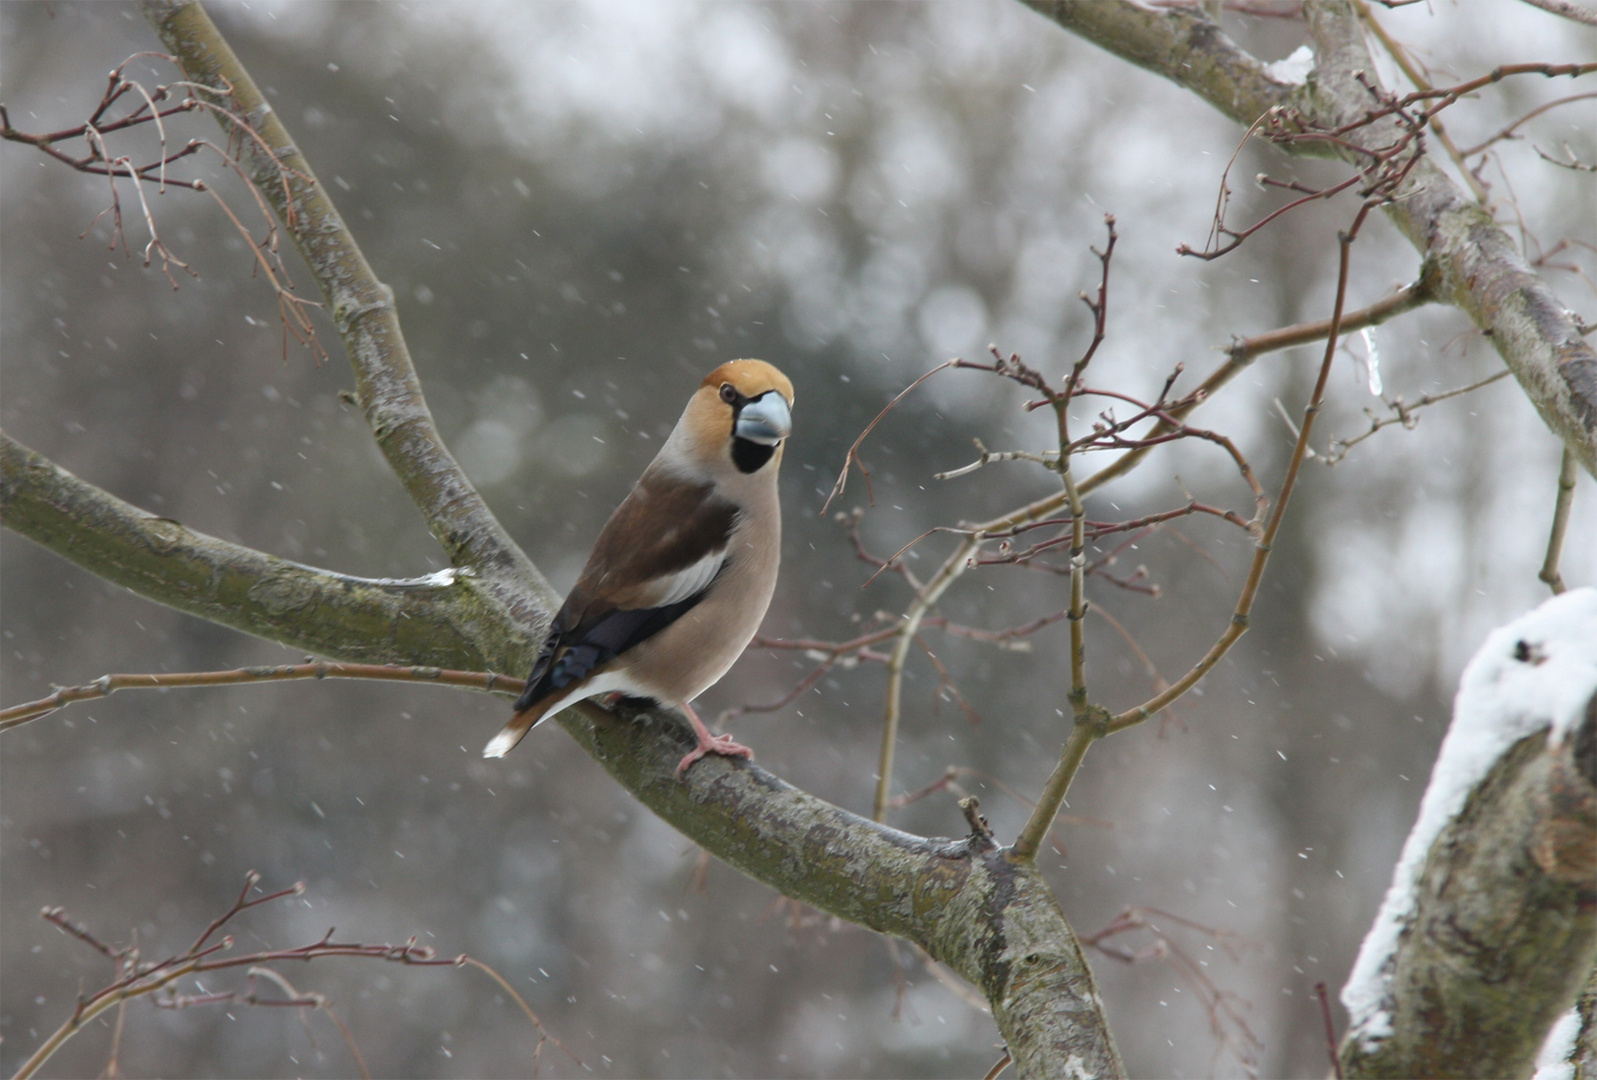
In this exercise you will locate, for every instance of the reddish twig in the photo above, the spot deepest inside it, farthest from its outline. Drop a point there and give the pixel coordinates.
(488, 682)
(1225, 1019)
(98, 160)
(1508, 132)
(1330, 1029)
(852, 458)
(137, 978)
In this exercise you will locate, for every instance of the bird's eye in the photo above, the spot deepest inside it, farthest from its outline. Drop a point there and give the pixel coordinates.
(729, 393)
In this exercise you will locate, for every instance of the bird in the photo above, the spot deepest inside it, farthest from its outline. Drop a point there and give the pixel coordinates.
(681, 575)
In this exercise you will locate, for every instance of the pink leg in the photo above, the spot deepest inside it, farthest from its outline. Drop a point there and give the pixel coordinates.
(709, 744)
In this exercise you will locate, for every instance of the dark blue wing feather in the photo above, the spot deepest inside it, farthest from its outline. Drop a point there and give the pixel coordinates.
(568, 656)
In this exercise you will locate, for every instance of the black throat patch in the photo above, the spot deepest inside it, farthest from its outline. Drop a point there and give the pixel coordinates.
(749, 455)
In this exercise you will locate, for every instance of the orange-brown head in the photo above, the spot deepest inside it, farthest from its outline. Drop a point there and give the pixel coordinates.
(741, 413)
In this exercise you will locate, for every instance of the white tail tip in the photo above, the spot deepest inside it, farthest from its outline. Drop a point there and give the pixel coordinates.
(501, 743)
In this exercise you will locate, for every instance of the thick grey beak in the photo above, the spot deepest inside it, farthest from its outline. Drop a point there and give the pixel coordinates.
(765, 420)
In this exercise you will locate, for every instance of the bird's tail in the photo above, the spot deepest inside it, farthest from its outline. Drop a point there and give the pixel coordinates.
(521, 723)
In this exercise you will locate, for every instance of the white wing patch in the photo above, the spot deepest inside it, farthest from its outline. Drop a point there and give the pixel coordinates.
(673, 588)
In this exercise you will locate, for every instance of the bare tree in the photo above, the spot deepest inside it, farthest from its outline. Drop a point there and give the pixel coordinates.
(980, 905)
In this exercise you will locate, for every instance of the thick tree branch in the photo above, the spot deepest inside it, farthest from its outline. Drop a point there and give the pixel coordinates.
(1180, 44)
(1504, 939)
(1486, 936)
(988, 916)
(364, 312)
(1479, 268)
(1475, 262)
(315, 610)
(1583, 1052)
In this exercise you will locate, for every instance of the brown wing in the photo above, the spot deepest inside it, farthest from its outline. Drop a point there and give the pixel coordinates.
(663, 528)
(651, 564)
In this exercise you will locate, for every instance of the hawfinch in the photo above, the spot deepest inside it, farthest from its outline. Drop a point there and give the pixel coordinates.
(681, 575)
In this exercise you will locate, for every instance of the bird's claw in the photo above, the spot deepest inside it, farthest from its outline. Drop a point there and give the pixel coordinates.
(713, 744)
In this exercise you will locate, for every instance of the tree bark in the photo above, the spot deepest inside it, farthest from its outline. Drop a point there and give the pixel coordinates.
(1486, 937)
(1503, 937)
(353, 619)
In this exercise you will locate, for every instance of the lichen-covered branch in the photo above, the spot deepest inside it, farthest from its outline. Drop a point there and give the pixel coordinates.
(315, 610)
(968, 903)
(1504, 938)
(1476, 265)
(1583, 1049)
(989, 917)
(1486, 938)
(368, 322)
(1182, 45)
(1479, 268)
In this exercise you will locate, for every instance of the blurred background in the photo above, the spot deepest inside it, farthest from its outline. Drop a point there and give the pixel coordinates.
(583, 208)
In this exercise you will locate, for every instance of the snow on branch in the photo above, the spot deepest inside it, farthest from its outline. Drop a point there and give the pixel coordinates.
(1494, 888)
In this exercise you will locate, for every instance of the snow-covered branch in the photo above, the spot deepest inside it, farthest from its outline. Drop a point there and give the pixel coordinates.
(1486, 936)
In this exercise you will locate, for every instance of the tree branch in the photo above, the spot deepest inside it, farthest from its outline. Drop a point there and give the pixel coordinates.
(1477, 267)
(1503, 939)
(968, 903)
(992, 920)
(1182, 45)
(1555, 540)
(1486, 935)
(315, 610)
(106, 685)
(364, 313)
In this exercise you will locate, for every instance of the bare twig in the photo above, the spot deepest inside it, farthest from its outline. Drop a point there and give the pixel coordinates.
(137, 978)
(1243, 352)
(1402, 413)
(851, 523)
(989, 456)
(532, 1017)
(1148, 666)
(1225, 1019)
(1511, 128)
(1384, 168)
(323, 1005)
(852, 457)
(1330, 1029)
(1100, 312)
(98, 160)
(1013, 369)
(112, 1068)
(105, 685)
(1411, 70)
(1570, 161)
(1262, 547)
(1555, 542)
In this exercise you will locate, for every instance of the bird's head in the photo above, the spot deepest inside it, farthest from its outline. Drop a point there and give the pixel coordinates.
(740, 414)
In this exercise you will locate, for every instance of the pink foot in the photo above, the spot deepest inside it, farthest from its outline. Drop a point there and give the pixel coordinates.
(709, 744)
(715, 744)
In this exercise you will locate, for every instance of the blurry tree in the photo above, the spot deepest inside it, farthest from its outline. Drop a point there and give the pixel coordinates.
(977, 905)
